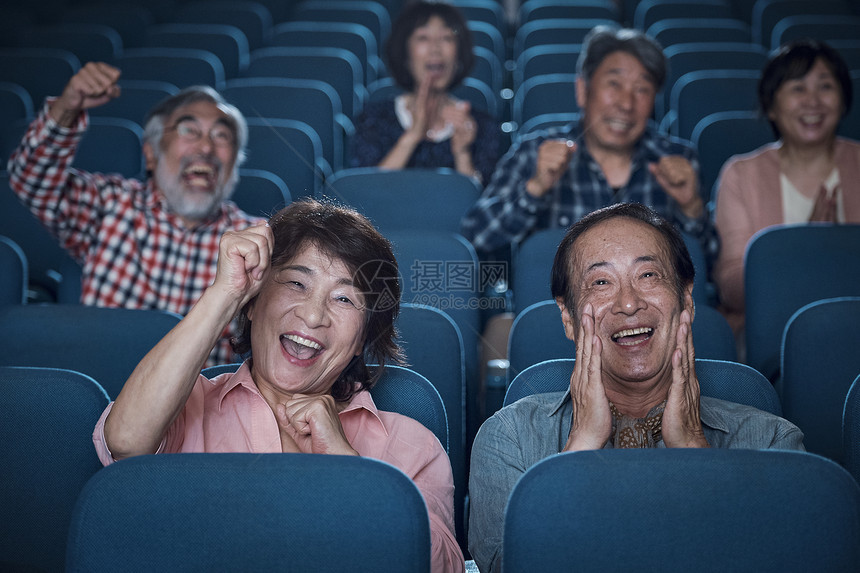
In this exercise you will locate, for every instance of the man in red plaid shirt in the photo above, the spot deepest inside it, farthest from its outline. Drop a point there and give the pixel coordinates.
(151, 244)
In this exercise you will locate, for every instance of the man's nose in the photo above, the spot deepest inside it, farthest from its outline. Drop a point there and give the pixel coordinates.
(628, 300)
(626, 99)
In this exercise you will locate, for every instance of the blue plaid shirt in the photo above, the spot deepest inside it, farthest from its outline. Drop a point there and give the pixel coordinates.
(507, 214)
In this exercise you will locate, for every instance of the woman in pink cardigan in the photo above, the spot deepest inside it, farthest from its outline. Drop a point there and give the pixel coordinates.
(808, 175)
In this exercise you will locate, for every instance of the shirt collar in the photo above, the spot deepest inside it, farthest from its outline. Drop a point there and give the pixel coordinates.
(404, 116)
(559, 404)
(710, 416)
(364, 401)
(242, 377)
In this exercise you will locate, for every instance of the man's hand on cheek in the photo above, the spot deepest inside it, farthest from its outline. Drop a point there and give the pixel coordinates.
(591, 421)
(682, 424)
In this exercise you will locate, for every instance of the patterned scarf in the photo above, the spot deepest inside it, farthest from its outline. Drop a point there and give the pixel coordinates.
(628, 432)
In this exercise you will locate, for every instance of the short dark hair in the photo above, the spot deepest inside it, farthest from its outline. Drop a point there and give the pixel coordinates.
(685, 272)
(347, 236)
(414, 15)
(603, 40)
(794, 60)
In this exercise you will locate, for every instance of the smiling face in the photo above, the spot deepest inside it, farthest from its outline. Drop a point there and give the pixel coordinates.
(433, 54)
(307, 323)
(623, 268)
(616, 102)
(194, 169)
(807, 110)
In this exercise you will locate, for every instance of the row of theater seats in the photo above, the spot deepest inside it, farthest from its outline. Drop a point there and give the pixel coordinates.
(303, 80)
(802, 305)
(546, 41)
(804, 344)
(298, 146)
(215, 510)
(709, 96)
(447, 273)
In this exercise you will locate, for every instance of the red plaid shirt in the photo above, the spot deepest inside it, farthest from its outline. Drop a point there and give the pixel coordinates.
(134, 253)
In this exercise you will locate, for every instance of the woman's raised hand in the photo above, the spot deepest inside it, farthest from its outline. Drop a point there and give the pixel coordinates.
(824, 210)
(243, 259)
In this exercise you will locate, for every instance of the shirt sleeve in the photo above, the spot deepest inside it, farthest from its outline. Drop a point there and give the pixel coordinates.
(787, 436)
(99, 441)
(371, 140)
(497, 465)
(436, 483)
(102, 450)
(416, 451)
(66, 201)
(736, 229)
(506, 213)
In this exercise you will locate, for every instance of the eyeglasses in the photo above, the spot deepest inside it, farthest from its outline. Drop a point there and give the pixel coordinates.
(220, 135)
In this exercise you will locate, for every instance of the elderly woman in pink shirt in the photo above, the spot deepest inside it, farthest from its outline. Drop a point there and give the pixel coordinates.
(808, 175)
(317, 293)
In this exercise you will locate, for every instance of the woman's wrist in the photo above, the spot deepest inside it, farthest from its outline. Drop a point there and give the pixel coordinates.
(463, 163)
(411, 138)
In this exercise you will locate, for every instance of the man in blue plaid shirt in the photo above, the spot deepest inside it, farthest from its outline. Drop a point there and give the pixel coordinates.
(613, 154)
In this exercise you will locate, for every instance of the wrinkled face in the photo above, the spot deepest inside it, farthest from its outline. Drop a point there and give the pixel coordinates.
(807, 110)
(194, 168)
(616, 103)
(433, 54)
(624, 269)
(306, 324)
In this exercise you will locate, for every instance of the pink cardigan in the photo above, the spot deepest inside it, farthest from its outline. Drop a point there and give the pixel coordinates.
(749, 199)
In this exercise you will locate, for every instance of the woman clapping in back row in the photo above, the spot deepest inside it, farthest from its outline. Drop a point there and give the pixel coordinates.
(429, 53)
(808, 175)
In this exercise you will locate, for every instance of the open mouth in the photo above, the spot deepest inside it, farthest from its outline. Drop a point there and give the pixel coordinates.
(200, 175)
(300, 348)
(435, 70)
(632, 336)
(619, 125)
(811, 120)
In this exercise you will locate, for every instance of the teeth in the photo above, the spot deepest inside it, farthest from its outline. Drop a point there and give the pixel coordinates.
(200, 169)
(303, 341)
(810, 118)
(631, 332)
(617, 124)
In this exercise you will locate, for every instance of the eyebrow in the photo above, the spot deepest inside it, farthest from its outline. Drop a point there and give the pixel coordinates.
(188, 117)
(309, 271)
(646, 76)
(182, 118)
(642, 259)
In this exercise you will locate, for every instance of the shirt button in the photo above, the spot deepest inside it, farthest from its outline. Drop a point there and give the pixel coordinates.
(564, 221)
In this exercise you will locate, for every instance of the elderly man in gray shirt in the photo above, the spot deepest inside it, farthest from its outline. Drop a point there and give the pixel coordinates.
(623, 281)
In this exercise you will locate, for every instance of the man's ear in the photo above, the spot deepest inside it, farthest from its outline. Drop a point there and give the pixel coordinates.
(688, 301)
(581, 92)
(566, 320)
(150, 156)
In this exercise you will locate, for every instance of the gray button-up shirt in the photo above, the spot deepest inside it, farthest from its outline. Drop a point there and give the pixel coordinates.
(518, 436)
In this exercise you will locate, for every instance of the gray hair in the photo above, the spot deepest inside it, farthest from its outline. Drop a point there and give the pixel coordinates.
(602, 41)
(153, 129)
(560, 276)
